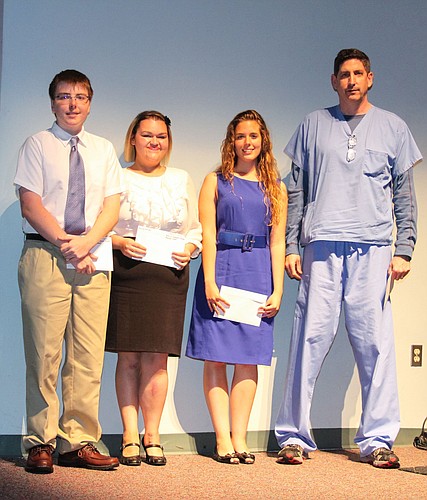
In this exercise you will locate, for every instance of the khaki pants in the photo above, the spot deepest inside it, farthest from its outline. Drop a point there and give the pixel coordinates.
(59, 304)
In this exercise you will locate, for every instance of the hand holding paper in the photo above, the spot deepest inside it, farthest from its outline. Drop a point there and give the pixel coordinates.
(216, 303)
(272, 305)
(103, 252)
(181, 259)
(132, 249)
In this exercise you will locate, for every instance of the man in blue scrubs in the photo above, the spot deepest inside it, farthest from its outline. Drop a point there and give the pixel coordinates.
(351, 176)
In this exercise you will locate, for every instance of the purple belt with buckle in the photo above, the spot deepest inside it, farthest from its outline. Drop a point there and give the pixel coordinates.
(245, 241)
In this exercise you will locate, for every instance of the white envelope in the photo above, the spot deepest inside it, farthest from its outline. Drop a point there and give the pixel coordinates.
(104, 251)
(389, 288)
(160, 245)
(244, 305)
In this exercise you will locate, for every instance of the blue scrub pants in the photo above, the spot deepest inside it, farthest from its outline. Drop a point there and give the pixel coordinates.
(353, 276)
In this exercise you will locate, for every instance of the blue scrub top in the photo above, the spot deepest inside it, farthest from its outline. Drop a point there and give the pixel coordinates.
(351, 200)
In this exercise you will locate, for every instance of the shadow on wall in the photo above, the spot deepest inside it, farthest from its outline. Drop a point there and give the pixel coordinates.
(329, 397)
(189, 397)
(193, 416)
(332, 385)
(12, 389)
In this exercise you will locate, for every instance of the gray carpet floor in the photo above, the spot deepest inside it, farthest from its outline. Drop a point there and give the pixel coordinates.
(327, 474)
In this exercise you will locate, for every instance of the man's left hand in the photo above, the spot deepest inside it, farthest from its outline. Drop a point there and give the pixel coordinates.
(75, 247)
(399, 267)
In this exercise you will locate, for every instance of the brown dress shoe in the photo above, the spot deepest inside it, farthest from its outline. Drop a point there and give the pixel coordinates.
(39, 459)
(89, 458)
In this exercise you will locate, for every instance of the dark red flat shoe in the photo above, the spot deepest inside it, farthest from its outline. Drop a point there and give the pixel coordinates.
(133, 460)
(245, 457)
(153, 459)
(230, 458)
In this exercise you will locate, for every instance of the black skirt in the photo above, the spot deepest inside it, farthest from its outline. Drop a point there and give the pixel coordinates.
(147, 307)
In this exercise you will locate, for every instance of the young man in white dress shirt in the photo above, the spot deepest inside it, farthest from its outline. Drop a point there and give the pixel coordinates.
(58, 303)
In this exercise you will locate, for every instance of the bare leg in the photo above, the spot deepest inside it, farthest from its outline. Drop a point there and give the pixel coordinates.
(216, 393)
(242, 396)
(153, 390)
(127, 388)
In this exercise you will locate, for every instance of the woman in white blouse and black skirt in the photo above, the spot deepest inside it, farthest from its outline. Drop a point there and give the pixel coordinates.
(147, 305)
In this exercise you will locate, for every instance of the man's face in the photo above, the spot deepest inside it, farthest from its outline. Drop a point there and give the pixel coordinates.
(70, 113)
(352, 82)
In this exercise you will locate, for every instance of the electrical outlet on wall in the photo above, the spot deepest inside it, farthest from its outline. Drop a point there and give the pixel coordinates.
(416, 355)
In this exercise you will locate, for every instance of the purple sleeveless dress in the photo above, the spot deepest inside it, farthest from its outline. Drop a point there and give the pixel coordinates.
(240, 209)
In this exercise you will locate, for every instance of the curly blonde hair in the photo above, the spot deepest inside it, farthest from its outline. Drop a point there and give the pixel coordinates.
(268, 174)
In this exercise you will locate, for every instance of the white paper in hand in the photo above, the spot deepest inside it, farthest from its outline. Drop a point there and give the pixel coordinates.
(160, 245)
(104, 251)
(244, 305)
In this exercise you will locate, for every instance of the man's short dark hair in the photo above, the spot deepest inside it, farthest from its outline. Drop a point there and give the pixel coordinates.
(346, 54)
(70, 76)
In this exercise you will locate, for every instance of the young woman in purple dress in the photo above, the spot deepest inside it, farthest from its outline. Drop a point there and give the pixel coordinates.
(243, 206)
